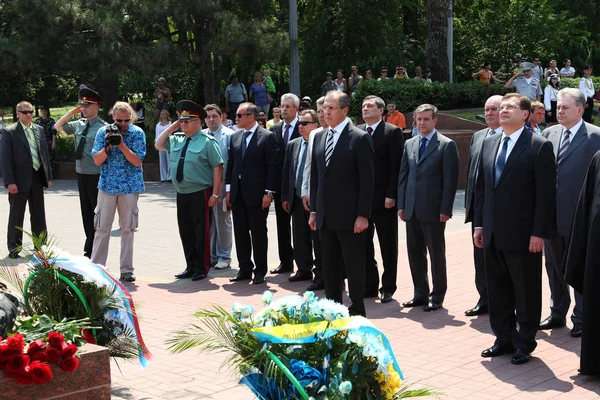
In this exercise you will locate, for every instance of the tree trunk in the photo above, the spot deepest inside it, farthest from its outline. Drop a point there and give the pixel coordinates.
(436, 45)
(110, 85)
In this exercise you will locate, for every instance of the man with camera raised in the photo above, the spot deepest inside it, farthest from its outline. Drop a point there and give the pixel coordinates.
(119, 150)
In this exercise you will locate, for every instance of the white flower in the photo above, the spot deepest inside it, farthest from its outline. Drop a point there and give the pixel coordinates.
(308, 297)
(247, 311)
(346, 387)
(267, 297)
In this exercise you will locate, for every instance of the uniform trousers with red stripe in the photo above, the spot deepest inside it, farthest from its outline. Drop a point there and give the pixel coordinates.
(193, 219)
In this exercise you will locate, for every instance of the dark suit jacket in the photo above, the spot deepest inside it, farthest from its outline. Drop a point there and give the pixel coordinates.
(474, 153)
(290, 167)
(278, 132)
(521, 203)
(344, 189)
(17, 163)
(258, 168)
(572, 170)
(388, 145)
(427, 186)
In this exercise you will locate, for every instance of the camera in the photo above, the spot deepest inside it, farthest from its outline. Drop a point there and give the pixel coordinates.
(113, 135)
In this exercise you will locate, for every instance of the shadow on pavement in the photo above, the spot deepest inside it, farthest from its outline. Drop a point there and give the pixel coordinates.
(542, 377)
(186, 286)
(437, 319)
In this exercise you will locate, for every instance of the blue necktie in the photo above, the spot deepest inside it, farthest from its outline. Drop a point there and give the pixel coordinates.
(501, 159)
(422, 147)
(244, 145)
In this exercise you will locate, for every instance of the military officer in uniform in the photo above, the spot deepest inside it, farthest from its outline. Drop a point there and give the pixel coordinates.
(88, 173)
(198, 165)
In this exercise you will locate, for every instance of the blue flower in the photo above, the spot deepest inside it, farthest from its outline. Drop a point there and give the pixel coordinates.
(346, 387)
(267, 297)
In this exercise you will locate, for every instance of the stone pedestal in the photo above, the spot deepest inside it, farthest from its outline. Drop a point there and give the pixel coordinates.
(90, 381)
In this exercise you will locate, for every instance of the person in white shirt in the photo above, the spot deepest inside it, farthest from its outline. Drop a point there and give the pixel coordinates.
(163, 156)
(586, 85)
(550, 98)
(567, 71)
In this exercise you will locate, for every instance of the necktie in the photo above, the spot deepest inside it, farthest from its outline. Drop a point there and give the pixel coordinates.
(35, 156)
(502, 159)
(299, 177)
(244, 145)
(211, 133)
(563, 147)
(422, 147)
(179, 175)
(286, 137)
(82, 139)
(329, 147)
(370, 131)
(491, 132)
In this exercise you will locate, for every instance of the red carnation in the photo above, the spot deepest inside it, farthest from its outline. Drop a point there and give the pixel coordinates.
(56, 339)
(40, 372)
(16, 342)
(69, 364)
(17, 364)
(68, 350)
(53, 354)
(35, 347)
(88, 336)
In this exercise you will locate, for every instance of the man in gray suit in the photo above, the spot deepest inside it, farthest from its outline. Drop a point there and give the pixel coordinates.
(492, 118)
(221, 227)
(575, 142)
(426, 191)
(26, 174)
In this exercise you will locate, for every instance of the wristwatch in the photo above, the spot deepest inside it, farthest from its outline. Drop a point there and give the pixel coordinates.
(218, 196)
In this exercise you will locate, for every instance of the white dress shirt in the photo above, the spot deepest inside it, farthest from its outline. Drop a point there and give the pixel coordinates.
(511, 143)
(248, 139)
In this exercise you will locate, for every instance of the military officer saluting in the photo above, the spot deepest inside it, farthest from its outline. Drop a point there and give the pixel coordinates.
(197, 173)
(88, 173)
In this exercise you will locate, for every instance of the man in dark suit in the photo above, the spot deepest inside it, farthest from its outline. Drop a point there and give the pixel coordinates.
(26, 173)
(285, 132)
(388, 145)
(514, 202)
(291, 190)
(575, 142)
(492, 117)
(426, 190)
(341, 192)
(251, 179)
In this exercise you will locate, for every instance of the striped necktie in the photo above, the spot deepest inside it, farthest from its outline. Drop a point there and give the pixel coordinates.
(563, 147)
(329, 147)
(35, 155)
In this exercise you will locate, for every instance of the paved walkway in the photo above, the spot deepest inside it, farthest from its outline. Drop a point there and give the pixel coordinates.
(439, 349)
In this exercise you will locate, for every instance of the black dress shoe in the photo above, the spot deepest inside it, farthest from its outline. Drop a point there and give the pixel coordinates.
(477, 310)
(432, 306)
(13, 254)
(198, 276)
(240, 277)
(577, 329)
(386, 297)
(301, 276)
(258, 280)
(497, 350)
(185, 274)
(552, 322)
(318, 285)
(415, 303)
(521, 356)
(283, 268)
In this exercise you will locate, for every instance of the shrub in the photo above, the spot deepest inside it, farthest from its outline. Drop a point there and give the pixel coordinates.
(409, 94)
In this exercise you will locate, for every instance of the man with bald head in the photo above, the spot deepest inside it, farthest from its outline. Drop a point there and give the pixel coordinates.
(492, 118)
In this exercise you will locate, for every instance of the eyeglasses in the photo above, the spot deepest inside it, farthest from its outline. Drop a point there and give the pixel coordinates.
(509, 108)
(241, 115)
(123, 120)
(304, 123)
(26, 112)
